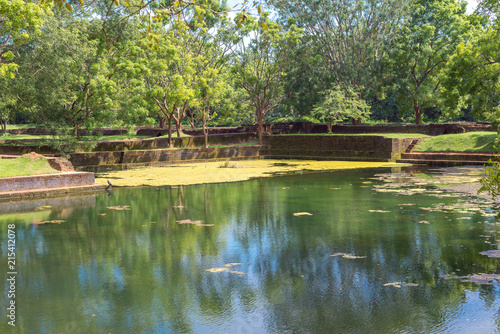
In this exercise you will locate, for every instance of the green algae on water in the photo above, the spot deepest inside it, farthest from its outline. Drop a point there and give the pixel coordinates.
(210, 172)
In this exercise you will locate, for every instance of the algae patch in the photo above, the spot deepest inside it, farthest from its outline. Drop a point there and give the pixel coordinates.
(348, 256)
(400, 284)
(226, 268)
(210, 172)
(480, 279)
(193, 222)
(302, 214)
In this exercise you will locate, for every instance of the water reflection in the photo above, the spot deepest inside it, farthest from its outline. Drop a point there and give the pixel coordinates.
(139, 271)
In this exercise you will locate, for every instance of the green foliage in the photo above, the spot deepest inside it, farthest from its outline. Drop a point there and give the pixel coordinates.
(385, 110)
(490, 182)
(20, 22)
(66, 79)
(259, 67)
(421, 50)
(472, 76)
(340, 105)
(352, 36)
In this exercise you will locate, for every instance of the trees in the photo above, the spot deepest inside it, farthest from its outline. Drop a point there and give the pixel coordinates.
(66, 78)
(421, 50)
(339, 105)
(162, 74)
(352, 35)
(20, 21)
(472, 75)
(259, 64)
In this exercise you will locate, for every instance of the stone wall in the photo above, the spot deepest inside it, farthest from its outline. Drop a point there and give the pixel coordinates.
(158, 143)
(168, 156)
(68, 204)
(307, 127)
(333, 147)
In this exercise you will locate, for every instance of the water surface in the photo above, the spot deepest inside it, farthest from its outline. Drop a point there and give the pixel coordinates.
(124, 264)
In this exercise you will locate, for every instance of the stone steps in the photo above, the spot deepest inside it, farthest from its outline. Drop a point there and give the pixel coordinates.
(51, 192)
(447, 158)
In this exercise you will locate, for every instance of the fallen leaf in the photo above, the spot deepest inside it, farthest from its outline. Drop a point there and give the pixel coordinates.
(119, 207)
(400, 284)
(348, 256)
(480, 279)
(231, 264)
(193, 222)
(50, 222)
(491, 253)
(302, 214)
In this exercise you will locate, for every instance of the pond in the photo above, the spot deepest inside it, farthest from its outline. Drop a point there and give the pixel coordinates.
(336, 252)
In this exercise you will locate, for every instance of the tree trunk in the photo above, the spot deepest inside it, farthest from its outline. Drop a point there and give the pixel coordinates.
(418, 112)
(179, 129)
(181, 113)
(205, 130)
(260, 128)
(191, 122)
(163, 121)
(170, 144)
(356, 121)
(4, 126)
(329, 126)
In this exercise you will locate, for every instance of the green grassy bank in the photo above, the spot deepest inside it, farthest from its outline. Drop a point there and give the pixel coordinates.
(28, 164)
(463, 142)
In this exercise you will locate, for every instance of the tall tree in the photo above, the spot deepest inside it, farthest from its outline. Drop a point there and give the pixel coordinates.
(352, 35)
(168, 71)
(425, 43)
(472, 75)
(67, 75)
(260, 62)
(20, 21)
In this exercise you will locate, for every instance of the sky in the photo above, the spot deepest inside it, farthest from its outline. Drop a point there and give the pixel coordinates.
(471, 4)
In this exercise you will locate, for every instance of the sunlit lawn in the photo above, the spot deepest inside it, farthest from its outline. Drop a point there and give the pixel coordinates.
(462, 142)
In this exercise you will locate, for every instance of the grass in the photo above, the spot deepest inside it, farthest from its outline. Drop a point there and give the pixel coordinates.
(8, 136)
(20, 126)
(120, 137)
(133, 136)
(462, 142)
(392, 135)
(25, 165)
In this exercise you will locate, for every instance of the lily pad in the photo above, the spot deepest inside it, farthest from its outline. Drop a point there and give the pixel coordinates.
(400, 284)
(302, 214)
(50, 222)
(119, 207)
(227, 268)
(480, 279)
(193, 222)
(491, 253)
(348, 256)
